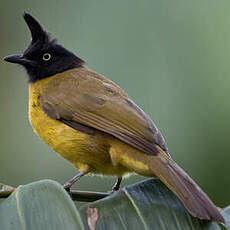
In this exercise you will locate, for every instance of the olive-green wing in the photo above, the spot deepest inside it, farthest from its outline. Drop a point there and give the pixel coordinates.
(82, 98)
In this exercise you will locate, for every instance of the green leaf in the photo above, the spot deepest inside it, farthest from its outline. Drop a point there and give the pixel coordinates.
(40, 205)
(226, 213)
(146, 205)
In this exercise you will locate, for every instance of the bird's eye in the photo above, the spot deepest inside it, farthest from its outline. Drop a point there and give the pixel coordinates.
(46, 57)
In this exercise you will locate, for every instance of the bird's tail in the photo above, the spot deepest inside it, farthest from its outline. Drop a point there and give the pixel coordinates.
(178, 181)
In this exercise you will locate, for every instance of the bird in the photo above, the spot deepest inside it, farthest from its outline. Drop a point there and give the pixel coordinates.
(90, 121)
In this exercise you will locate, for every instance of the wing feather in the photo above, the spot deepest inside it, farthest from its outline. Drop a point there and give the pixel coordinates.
(87, 98)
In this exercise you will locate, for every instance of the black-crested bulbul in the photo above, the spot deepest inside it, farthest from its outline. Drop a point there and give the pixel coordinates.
(93, 123)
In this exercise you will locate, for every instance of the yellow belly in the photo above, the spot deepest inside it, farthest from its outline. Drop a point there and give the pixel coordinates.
(81, 149)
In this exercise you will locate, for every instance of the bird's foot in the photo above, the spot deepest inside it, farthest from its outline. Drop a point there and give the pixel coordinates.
(116, 187)
(67, 187)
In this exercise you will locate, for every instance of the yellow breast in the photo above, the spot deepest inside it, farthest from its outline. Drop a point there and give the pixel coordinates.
(81, 149)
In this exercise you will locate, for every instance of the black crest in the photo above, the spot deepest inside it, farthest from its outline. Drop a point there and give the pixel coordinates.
(44, 57)
(38, 34)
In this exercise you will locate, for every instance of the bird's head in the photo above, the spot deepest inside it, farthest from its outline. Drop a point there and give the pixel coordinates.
(44, 57)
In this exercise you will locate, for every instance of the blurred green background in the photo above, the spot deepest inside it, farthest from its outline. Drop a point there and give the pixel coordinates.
(172, 58)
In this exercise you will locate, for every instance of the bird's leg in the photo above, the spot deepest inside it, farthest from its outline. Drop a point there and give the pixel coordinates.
(70, 182)
(116, 186)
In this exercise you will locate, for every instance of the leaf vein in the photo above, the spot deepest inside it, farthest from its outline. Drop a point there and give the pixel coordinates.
(137, 209)
(120, 218)
(19, 210)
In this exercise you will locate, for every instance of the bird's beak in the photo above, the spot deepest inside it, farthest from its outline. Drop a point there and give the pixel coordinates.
(18, 59)
(39, 36)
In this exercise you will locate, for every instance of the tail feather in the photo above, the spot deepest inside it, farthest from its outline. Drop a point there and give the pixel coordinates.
(191, 195)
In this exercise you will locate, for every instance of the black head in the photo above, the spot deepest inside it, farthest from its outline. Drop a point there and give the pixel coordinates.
(44, 57)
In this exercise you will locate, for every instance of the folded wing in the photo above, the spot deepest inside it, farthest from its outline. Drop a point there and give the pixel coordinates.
(82, 97)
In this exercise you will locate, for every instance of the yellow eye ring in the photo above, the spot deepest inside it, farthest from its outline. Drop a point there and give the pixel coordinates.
(46, 57)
